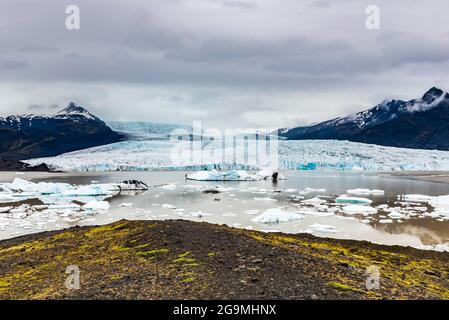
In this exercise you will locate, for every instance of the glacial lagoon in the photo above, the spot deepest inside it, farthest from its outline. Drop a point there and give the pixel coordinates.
(305, 202)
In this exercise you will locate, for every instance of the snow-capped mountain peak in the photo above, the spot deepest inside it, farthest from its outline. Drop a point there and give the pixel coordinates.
(74, 110)
(431, 95)
(416, 123)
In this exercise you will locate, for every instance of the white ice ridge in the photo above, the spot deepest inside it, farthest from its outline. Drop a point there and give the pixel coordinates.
(293, 155)
(276, 215)
(235, 175)
(53, 193)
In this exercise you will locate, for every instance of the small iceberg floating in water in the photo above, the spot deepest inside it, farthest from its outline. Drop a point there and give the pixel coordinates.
(352, 200)
(276, 215)
(359, 209)
(235, 175)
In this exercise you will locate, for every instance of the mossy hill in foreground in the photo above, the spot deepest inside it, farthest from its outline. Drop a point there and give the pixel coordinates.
(188, 260)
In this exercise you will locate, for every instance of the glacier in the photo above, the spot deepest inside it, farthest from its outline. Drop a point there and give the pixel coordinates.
(292, 155)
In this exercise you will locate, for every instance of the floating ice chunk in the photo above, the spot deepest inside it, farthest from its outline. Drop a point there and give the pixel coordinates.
(265, 199)
(4, 198)
(63, 206)
(396, 215)
(97, 205)
(417, 198)
(441, 247)
(366, 192)
(4, 189)
(276, 215)
(314, 201)
(214, 175)
(91, 190)
(130, 185)
(440, 202)
(268, 174)
(292, 190)
(5, 209)
(359, 209)
(384, 221)
(168, 206)
(41, 187)
(352, 200)
(321, 228)
(233, 175)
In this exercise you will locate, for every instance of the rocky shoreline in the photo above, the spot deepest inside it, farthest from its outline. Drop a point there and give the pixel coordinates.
(190, 260)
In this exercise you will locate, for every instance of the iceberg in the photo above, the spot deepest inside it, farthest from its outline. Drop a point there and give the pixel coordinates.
(440, 202)
(5, 209)
(352, 200)
(233, 175)
(396, 215)
(97, 205)
(359, 209)
(276, 215)
(314, 201)
(21, 185)
(417, 198)
(92, 190)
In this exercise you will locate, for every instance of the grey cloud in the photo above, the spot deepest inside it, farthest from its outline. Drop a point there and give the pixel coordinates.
(253, 61)
(11, 65)
(33, 48)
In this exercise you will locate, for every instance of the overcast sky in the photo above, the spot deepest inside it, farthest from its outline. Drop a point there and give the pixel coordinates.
(229, 63)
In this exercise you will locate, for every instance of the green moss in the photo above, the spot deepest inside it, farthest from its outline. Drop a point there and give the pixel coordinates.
(191, 265)
(184, 260)
(211, 254)
(345, 287)
(188, 280)
(4, 283)
(185, 254)
(151, 252)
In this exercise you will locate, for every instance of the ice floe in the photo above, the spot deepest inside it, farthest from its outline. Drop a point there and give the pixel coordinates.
(352, 200)
(359, 209)
(235, 175)
(97, 205)
(416, 198)
(276, 215)
(314, 201)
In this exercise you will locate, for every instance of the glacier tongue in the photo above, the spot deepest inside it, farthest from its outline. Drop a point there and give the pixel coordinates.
(293, 155)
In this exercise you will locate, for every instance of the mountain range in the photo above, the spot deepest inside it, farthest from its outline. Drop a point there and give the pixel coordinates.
(421, 123)
(33, 136)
